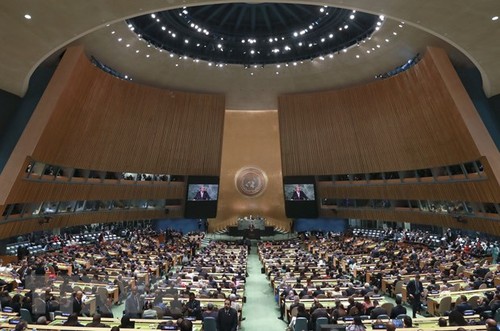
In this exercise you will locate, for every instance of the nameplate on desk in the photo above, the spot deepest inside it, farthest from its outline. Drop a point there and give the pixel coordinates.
(379, 326)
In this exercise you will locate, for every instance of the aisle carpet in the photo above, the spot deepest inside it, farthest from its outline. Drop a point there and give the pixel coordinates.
(260, 310)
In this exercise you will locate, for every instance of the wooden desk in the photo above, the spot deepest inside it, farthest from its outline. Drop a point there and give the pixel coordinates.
(434, 300)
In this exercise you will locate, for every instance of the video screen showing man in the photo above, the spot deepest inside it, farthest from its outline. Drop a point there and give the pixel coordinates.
(298, 194)
(202, 194)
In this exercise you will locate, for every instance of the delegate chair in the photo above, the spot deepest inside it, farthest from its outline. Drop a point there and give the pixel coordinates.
(301, 324)
(209, 324)
(26, 315)
(320, 321)
(444, 305)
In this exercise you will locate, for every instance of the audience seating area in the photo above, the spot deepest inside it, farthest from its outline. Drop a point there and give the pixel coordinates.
(317, 279)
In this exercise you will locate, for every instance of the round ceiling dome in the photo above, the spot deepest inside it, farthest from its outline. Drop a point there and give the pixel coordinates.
(250, 34)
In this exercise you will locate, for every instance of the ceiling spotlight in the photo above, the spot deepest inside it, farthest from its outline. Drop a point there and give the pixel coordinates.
(27, 16)
(351, 17)
(295, 34)
(494, 18)
(153, 16)
(382, 17)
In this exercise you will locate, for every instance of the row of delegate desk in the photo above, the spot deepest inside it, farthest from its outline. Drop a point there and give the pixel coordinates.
(57, 324)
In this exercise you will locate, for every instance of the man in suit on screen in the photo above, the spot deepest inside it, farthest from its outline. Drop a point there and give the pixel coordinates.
(298, 194)
(202, 194)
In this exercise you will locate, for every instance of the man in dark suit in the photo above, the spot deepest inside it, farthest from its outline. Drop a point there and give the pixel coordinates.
(377, 310)
(298, 194)
(133, 306)
(398, 309)
(96, 322)
(414, 288)
(193, 307)
(202, 194)
(463, 304)
(78, 304)
(227, 318)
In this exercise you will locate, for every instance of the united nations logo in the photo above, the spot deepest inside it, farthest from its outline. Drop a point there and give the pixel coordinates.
(250, 181)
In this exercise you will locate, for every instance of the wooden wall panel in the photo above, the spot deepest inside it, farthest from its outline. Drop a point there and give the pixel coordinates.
(105, 123)
(32, 191)
(251, 140)
(408, 121)
(89, 119)
(422, 118)
(484, 191)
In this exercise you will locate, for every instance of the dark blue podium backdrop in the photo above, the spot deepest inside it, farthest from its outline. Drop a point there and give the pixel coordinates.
(183, 225)
(320, 224)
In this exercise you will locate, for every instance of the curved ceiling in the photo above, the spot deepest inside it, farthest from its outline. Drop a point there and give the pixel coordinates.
(461, 27)
(249, 34)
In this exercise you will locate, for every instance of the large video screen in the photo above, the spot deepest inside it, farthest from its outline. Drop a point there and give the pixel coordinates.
(202, 193)
(300, 197)
(298, 192)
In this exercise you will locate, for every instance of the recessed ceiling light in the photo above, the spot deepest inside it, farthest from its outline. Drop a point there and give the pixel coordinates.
(494, 18)
(27, 16)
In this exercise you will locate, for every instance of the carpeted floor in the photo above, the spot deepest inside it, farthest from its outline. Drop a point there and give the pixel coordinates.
(260, 310)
